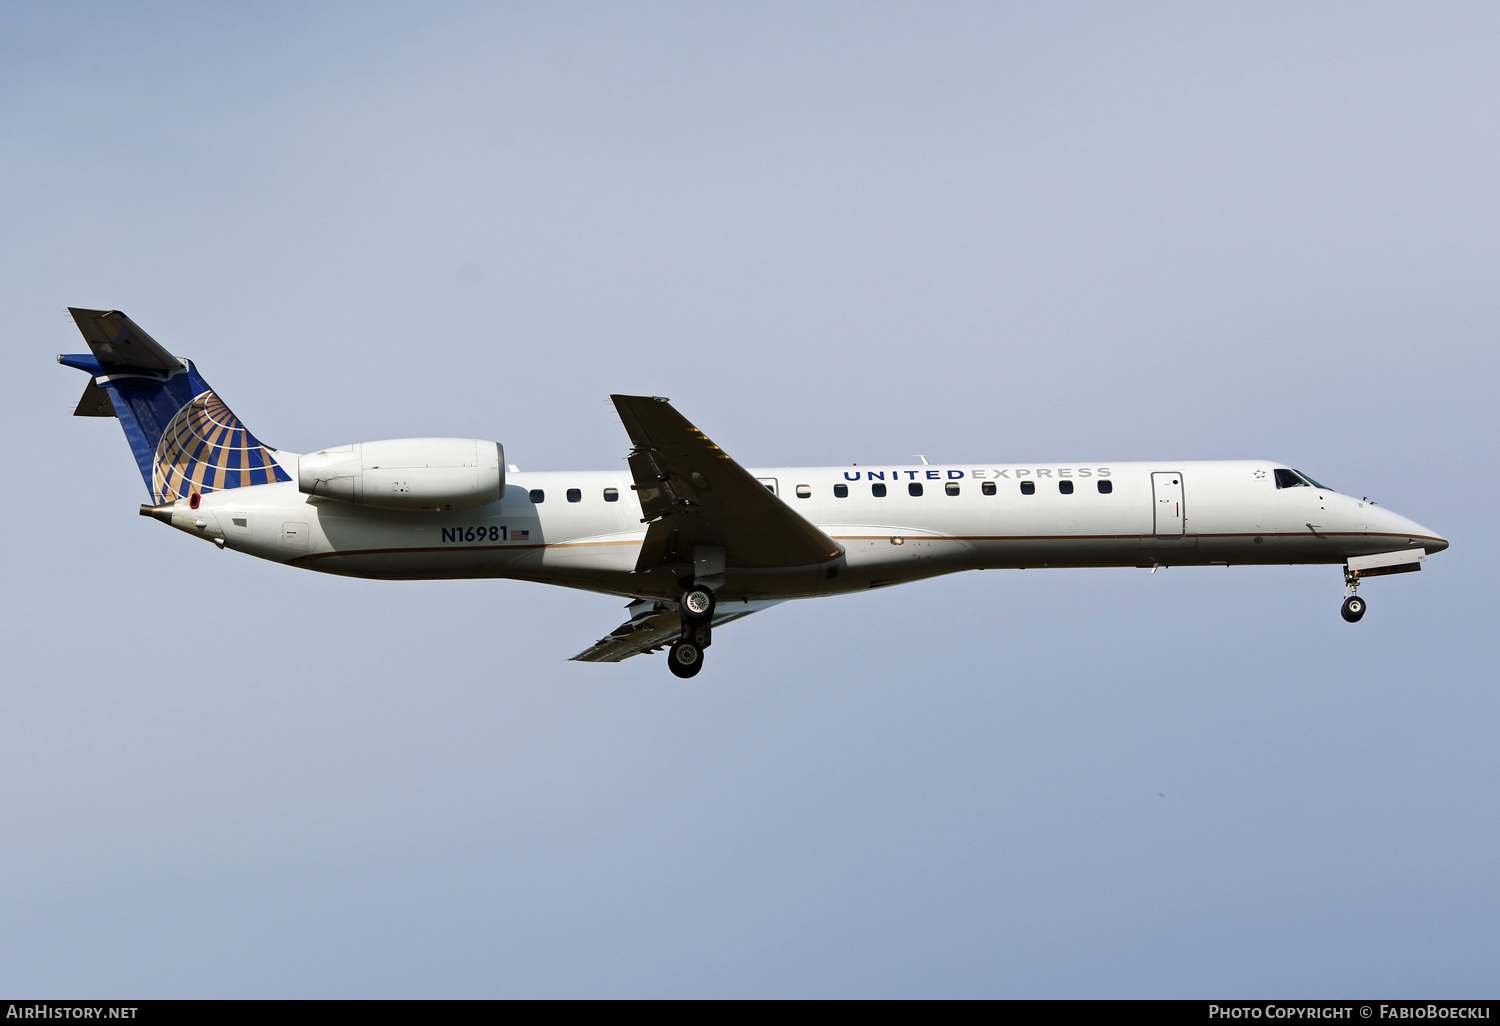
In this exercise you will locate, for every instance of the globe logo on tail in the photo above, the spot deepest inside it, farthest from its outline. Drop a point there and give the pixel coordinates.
(205, 448)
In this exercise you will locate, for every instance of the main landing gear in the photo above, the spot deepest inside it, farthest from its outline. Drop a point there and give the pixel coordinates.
(696, 605)
(1354, 606)
(685, 658)
(696, 610)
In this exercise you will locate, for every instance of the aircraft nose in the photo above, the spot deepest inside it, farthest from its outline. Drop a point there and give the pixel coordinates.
(1416, 533)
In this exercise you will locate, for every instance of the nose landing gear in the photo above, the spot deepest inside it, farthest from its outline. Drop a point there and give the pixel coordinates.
(1354, 606)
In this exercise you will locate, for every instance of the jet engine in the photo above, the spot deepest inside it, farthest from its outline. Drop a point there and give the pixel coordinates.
(407, 473)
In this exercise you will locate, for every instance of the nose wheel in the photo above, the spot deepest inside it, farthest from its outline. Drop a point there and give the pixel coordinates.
(1354, 606)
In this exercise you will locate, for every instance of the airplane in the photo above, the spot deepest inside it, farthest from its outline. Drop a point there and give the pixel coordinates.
(692, 539)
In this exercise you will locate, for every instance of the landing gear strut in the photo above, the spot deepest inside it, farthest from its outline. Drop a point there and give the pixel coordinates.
(1354, 606)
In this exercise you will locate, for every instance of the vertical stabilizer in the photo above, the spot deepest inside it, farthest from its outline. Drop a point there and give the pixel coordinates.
(184, 438)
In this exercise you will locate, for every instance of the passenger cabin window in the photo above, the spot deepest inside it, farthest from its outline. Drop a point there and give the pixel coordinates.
(878, 490)
(611, 495)
(804, 491)
(537, 495)
(988, 488)
(951, 487)
(1066, 487)
(915, 488)
(841, 491)
(1028, 487)
(575, 495)
(1105, 487)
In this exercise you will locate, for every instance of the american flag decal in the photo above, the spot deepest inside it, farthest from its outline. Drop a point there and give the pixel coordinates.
(520, 535)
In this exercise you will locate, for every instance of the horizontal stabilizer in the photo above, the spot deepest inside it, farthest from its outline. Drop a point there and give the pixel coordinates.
(95, 403)
(120, 344)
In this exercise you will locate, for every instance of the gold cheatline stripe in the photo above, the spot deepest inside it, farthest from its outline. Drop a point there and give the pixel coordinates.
(464, 548)
(856, 537)
(1117, 537)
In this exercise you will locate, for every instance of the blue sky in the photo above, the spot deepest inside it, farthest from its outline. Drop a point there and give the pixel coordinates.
(831, 233)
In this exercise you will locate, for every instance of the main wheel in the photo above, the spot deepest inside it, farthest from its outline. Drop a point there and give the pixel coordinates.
(1354, 608)
(685, 658)
(696, 605)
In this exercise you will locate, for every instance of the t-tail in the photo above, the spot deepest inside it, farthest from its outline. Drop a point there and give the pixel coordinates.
(185, 440)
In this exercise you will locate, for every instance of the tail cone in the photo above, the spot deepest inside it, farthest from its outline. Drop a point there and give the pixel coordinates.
(162, 513)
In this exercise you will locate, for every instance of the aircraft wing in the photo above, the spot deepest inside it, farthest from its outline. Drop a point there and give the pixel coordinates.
(692, 493)
(652, 627)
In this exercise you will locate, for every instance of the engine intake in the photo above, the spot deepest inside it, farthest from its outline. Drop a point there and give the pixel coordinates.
(407, 473)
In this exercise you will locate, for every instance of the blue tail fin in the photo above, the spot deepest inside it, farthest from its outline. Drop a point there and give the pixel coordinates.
(184, 438)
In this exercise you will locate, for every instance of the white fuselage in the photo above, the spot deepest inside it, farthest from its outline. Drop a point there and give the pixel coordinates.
(1158, 513)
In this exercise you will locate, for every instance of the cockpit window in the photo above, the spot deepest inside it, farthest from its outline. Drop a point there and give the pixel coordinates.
(1296, 479)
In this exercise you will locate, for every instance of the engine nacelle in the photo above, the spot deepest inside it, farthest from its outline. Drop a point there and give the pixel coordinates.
(407, 473)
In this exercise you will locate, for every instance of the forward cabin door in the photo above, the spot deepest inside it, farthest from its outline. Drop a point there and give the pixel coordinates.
(1166, 487)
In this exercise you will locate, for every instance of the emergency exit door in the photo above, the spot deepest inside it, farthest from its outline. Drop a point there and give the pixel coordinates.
(1166, 488)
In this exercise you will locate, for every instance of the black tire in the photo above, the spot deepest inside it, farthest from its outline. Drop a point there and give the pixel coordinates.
(1354, 608)
(685, 659)
(696, 607)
